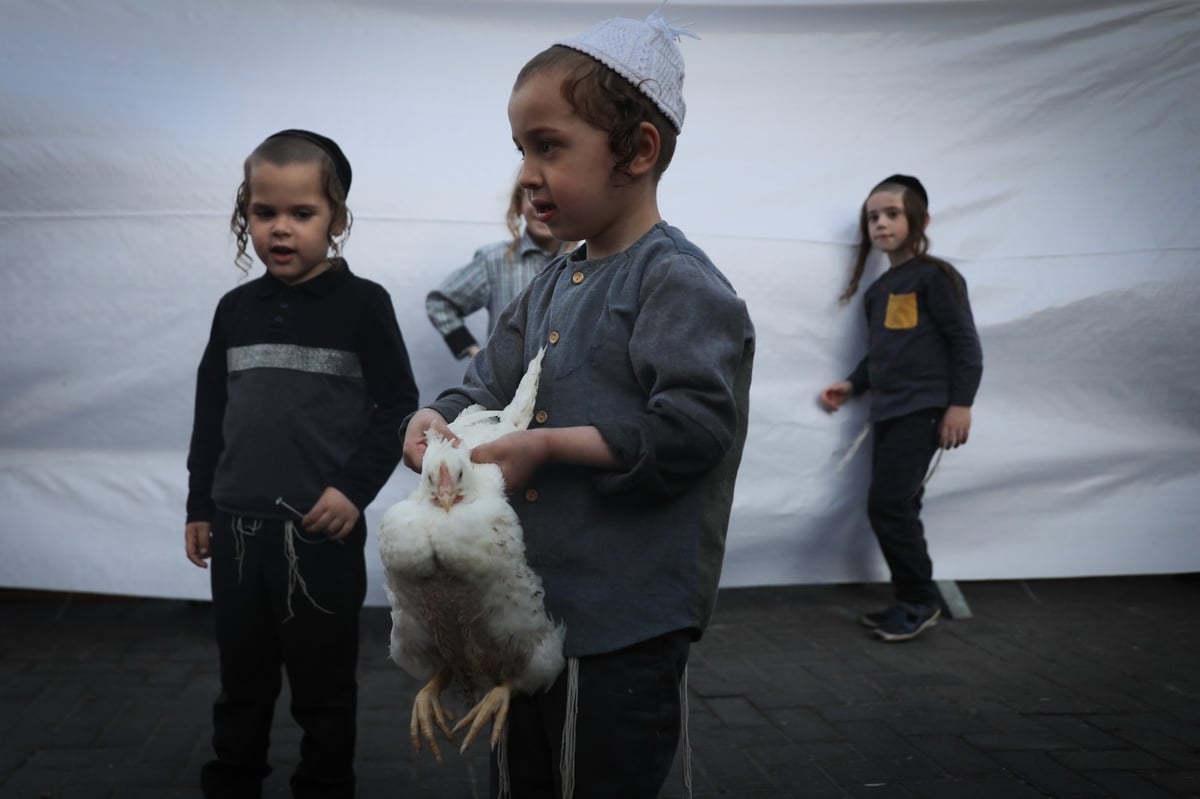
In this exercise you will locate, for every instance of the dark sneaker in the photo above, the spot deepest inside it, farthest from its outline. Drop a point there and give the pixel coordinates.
(876, 618)
(904, 622)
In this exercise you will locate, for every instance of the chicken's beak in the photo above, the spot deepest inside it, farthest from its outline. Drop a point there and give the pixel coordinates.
(446, 495)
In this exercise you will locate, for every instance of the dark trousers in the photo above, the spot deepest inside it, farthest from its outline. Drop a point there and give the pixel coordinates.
(626, 731)
(267, 621)
(903, 449)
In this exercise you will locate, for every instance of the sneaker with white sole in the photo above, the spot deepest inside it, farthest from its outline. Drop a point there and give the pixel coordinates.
(902, 622)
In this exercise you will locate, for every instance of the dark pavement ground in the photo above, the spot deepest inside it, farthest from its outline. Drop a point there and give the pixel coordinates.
(1054, 688)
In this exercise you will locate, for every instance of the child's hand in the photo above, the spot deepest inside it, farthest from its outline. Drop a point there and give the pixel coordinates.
(414, 437)
(955, 427)
(196, 536)
(517, 454)
(833, 395)
(333, 513)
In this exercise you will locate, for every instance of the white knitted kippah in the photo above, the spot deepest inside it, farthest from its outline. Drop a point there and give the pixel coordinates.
(644, 53)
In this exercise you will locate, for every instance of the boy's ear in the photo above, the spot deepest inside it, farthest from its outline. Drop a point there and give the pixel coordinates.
(649, 146)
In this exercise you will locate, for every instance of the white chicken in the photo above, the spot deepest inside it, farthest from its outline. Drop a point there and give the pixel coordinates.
(466, 607)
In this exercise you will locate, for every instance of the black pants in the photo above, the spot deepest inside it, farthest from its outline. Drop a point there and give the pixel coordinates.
(904, 447)
(626, 731)
(267, 620)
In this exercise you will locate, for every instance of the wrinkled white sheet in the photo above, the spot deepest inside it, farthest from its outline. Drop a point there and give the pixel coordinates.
(1057, 141)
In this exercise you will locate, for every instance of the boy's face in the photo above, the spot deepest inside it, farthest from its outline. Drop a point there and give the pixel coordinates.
(567, 167)
(289, 219)
(887, 224)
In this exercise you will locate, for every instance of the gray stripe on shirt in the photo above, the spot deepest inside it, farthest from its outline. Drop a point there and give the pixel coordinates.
(316, 360)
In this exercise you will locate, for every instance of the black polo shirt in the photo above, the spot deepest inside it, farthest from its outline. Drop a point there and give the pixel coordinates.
(300, 388)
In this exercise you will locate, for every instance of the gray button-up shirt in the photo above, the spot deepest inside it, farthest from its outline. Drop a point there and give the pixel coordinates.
(652, 347)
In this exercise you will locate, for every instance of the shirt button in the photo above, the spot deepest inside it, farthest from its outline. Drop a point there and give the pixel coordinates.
(540, 417)
(531, 495)
(554, 337)
(577, 278)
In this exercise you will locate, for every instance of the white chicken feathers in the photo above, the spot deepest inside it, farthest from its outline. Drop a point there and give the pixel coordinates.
(476, 425)
(466, 607)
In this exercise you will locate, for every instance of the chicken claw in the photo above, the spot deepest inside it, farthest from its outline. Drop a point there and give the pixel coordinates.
(494, 707)
(428, 711)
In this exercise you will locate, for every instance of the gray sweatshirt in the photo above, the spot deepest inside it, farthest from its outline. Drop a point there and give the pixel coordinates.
(652, 347)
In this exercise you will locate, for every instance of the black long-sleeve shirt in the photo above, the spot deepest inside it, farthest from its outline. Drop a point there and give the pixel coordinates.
(300, 388)
(923, 350)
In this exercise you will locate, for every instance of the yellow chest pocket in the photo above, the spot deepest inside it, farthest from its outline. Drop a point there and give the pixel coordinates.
(901, 311)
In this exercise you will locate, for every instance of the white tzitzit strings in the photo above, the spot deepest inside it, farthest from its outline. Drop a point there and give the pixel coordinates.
(936, 460)
(687, 741)
(566, 764)
(853, 448)
(502, 765)
(857, 443)
(240, 528)
(294, 576)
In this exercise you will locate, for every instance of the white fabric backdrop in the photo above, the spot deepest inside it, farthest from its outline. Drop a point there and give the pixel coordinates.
(1058, 143)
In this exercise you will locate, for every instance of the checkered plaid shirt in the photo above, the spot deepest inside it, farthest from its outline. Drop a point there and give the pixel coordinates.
(491, 280)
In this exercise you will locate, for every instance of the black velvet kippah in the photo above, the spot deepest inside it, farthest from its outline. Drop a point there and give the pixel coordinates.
(341, 164)
(910, 183)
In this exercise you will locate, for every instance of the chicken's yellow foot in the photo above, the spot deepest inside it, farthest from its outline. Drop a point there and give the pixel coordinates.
(493, 707)
(428, 711)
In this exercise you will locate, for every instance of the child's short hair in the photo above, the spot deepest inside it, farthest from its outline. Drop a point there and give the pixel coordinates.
(607, 101)
(296, 147)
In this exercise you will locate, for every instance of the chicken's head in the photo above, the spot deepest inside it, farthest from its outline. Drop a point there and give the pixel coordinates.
(446, 471)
